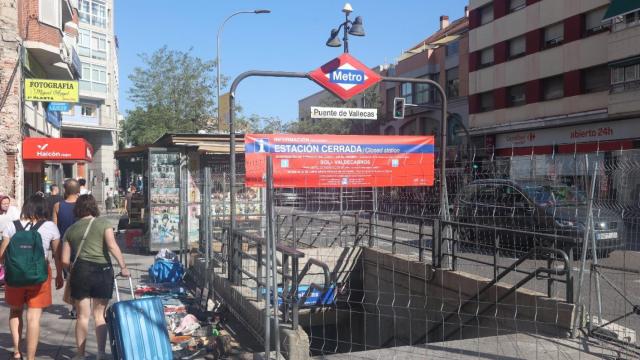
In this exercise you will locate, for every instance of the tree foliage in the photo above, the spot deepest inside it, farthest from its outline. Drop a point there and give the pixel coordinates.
(172, 92)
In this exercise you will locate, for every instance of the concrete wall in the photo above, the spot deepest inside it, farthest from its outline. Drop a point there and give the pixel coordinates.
(406, 299)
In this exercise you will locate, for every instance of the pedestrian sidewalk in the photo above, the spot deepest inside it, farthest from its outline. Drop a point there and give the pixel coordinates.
(57, 330)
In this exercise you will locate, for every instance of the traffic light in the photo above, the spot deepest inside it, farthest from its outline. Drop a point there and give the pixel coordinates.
(398, 108)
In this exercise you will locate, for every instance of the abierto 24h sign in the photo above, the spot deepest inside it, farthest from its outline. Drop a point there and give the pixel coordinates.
(45, 90)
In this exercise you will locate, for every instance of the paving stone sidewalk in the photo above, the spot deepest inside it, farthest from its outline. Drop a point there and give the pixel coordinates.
(57, 330)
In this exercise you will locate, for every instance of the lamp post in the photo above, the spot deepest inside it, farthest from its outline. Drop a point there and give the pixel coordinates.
(259, 11)
(349, 27)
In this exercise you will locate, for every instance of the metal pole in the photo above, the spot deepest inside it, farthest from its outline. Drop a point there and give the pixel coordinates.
(271, 239)
(232, 138)
(218, 60)
(585, 243)
(206, 212)
(346, 32)
(594, 254)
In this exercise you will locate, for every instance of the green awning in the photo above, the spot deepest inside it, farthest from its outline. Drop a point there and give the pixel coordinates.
(621, 8)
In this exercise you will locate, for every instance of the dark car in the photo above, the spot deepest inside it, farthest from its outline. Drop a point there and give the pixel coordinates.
(535, 207)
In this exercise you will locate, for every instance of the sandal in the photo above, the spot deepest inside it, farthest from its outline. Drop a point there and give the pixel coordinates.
(17, 353)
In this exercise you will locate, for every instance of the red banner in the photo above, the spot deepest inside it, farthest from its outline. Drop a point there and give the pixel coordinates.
(44, 148)
(334, 161)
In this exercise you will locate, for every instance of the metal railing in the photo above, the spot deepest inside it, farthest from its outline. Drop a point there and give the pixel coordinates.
(250, 246)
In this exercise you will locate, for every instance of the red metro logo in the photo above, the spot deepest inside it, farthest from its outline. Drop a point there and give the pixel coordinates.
(345, 76)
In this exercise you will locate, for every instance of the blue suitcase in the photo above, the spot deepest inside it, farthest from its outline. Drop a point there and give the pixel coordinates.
(137, 329)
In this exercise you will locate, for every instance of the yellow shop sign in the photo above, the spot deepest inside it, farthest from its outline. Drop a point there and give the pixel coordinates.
(51, 90)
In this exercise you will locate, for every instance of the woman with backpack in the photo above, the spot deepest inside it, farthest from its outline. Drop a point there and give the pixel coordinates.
(92, 277)
(26, 242)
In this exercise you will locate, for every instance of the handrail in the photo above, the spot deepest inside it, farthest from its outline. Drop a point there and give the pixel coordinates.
(534, 251)
(325, 286)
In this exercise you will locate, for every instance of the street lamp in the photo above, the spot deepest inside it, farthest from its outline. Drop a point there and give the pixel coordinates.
(259, 11)
(354, 28)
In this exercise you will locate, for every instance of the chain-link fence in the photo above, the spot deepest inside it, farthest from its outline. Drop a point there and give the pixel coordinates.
(507, 266)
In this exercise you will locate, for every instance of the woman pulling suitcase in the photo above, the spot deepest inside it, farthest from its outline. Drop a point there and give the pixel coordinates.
(92, 275)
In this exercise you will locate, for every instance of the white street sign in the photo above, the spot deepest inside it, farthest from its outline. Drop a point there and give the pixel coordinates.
(318, 112)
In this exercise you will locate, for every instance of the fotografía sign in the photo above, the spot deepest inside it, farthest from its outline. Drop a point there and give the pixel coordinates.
(51, 90)
(334, 161)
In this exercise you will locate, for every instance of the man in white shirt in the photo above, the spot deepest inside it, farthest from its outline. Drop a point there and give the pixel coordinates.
(83, 187)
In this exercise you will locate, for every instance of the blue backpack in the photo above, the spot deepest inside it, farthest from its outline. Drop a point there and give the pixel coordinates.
(166, 271)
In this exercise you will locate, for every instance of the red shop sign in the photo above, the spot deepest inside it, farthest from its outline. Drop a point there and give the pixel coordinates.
(44, 148)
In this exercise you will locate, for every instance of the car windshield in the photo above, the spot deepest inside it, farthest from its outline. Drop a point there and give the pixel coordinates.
(554, 194)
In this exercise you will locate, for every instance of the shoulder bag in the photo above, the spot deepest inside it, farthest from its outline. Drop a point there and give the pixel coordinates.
(67, 286)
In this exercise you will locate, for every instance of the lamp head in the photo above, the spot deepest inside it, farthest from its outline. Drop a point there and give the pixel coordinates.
(356, 28)
(334, 39)
(262, 11)
(347, 9)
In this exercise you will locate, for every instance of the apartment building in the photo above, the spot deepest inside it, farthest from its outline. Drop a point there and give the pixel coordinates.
(554, 76)
(442, 57)
(38, 42)
(95, 117)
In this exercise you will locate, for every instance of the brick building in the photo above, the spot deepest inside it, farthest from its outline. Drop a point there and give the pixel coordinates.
(551, 77)
(443, 57)
(10, 110)
(38, 41)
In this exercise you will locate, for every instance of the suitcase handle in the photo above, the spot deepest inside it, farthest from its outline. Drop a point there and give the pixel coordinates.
(115, 279)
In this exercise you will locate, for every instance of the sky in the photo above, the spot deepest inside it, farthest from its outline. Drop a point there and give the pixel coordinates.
(291, 38)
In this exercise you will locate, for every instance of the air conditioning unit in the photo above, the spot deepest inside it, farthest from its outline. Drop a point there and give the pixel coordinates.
(554, 41)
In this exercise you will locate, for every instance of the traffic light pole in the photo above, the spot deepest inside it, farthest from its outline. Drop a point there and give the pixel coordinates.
(444, 203)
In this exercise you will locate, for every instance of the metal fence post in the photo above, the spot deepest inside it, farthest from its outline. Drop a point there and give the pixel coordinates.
(271, 239)
(393, 234)
(436, 256)
(421, 244)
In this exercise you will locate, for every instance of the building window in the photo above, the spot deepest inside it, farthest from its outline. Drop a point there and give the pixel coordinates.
(517, 95)
(453, 83)
(625, 77)
(486, 101)
(628, 20)
(554, 35)
(92, 44)
(517, 46)
(50, 13)
(595, 79)
(486, 14)
(593, 21)
(88, 110)
(94, 78)
(486, 57)
(407, 92)
(515, 5)
(553, 87)
(452, 49)
(93, 12)
(422, 93)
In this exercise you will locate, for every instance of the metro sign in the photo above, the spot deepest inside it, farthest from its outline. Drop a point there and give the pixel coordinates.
(345, 76)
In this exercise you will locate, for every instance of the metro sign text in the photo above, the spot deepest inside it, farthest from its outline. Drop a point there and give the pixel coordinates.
(345, 76)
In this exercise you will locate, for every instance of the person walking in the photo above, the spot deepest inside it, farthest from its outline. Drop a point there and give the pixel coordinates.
(83, 187)
(92, 275)
(108, 203)
(8, 213)
(53, 198)
(36, 297)
(63, 215)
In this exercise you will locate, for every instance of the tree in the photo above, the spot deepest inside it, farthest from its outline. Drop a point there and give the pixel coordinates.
(369, 98)
(172, 92)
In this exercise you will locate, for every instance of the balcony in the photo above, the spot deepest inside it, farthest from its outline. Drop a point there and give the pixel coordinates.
(46, 42)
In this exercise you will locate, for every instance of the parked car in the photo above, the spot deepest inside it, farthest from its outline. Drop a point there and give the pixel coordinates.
(535, 207)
